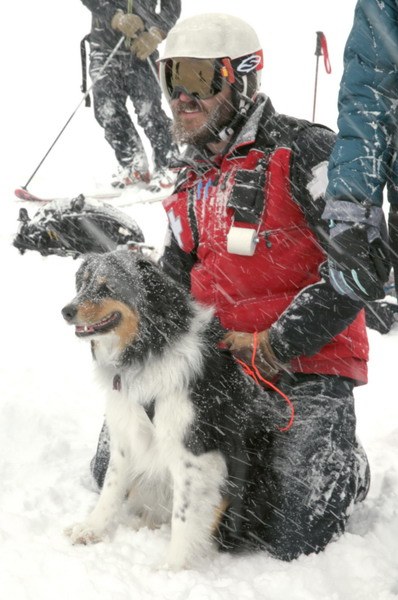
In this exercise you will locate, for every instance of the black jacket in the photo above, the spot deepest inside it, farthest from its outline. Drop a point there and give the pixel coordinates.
(102, 35)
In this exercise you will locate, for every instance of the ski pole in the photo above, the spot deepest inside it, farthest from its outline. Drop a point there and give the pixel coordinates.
(104, 66)
(154, 71)
(320, 49)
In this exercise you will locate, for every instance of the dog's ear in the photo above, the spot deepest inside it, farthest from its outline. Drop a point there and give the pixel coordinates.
(151, 277)
(168, 300)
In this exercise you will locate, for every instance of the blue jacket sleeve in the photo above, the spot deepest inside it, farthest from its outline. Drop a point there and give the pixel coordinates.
(361, 161)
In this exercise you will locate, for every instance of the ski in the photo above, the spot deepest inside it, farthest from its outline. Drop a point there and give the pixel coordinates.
(23, 194)
(155, 195)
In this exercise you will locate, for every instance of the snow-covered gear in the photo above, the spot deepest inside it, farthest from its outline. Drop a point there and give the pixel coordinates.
(280, 287)
(393, 242)
(75, 227)
(315, 472)
(146, 43)
(358, 267)
(129, 77)
(364, 159)
(127, 24)
(105, 38)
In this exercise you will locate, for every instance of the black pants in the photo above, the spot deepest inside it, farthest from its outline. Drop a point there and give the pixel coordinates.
(128, 77)
(393, 242)
(300, 497)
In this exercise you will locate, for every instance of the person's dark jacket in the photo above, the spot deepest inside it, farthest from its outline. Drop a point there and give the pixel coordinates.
(102, 35)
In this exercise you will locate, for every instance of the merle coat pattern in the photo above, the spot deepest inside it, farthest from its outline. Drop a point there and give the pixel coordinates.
(187, 427)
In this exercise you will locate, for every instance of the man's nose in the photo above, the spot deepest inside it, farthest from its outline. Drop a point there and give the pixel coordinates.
(184, 97)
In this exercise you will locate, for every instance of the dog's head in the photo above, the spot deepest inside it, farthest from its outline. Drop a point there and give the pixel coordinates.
(126, 296)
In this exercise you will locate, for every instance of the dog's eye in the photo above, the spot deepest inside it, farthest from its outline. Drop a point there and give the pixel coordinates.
(103, 290)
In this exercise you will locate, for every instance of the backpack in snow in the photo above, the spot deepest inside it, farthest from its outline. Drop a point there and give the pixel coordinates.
(75, 227)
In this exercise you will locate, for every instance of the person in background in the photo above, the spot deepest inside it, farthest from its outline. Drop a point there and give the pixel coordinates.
(132, 74)
(245, 236)
(364, 162)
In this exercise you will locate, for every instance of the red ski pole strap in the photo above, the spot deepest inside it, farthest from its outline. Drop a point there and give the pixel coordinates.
(325, 52)
(322, 49)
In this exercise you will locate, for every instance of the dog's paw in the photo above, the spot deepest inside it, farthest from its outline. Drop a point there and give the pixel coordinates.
(84, 533)
(173, 564)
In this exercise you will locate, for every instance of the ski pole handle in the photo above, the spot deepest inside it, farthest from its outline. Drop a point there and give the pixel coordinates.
(318, 47)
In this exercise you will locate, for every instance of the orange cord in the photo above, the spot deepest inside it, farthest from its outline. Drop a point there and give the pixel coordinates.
(256, 375)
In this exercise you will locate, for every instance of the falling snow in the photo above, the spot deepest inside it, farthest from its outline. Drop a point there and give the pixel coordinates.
(51, 406)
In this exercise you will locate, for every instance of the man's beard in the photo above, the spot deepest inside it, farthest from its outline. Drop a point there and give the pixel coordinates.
(217, 119)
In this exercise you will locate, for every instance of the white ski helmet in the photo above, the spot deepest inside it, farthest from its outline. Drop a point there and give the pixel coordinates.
(217, 36)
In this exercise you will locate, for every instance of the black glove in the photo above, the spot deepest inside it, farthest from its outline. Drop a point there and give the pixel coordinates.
(358, 268)
(381, 316)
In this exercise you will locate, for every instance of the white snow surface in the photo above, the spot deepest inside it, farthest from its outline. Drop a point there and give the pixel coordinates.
(51, 409)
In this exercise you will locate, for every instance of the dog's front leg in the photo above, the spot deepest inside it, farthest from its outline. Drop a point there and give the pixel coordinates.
(198, 481)
(92, 530)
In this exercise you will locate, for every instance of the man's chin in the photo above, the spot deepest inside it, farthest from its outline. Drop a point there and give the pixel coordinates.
(185, 135)
(195, 136)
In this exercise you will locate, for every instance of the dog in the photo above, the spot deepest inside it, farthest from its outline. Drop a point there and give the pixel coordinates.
(188, 428)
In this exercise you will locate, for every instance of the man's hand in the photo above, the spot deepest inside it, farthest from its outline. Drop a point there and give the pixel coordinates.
(358, 268)
(129, 25)
(146, 43)
(241, 345)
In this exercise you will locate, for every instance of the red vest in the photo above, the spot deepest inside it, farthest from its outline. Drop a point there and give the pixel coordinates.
(250, 292)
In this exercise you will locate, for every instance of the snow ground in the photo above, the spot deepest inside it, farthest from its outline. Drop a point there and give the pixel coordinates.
(50, 408)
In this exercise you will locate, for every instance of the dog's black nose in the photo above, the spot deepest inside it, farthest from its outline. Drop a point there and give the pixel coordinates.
(69, 312)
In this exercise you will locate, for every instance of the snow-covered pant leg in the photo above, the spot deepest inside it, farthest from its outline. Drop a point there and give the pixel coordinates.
(313, 473)
(99, 463)
(110, 94)
(145, 93)
(318, 468)
(393, 241)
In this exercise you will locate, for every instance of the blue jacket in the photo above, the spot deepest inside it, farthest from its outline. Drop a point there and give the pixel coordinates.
(364, 158)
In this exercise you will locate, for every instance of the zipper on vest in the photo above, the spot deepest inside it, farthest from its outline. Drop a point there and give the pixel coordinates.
(267, 240)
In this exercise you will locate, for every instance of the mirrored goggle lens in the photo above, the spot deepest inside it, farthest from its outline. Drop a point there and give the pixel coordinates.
(201, 78)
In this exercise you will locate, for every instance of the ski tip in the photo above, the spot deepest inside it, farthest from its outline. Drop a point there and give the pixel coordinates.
(24, 194)
(20, 193)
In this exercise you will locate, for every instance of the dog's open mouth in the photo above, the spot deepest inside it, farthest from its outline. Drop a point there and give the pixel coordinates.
(102, 326)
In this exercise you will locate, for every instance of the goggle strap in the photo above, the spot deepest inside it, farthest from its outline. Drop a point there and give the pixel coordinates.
(230, 75)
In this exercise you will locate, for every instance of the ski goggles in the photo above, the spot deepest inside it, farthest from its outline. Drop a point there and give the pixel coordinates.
(201, 78)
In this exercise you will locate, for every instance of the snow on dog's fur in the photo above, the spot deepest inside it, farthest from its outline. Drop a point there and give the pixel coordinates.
(187, 427)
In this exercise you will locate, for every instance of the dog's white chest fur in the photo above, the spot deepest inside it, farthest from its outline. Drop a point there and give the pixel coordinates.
(149, 457)
(154, 444)
(161, 384)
